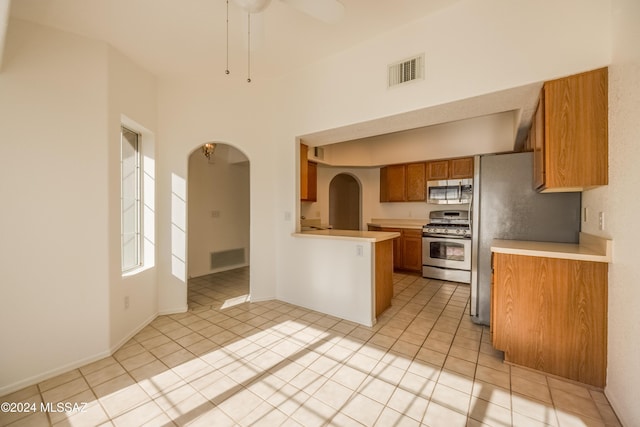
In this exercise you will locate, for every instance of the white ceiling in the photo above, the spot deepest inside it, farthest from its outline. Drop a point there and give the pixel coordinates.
(189, 36)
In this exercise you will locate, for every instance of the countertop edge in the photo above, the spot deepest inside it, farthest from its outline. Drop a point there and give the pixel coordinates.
(367, 236)
(590, 248)
(412, 223)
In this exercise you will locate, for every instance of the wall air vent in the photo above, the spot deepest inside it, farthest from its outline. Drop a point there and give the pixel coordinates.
(228, 258)
(407, 70)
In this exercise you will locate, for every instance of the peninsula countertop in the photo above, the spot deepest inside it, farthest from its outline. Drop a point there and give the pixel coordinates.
(413, 223)
(590, 248)
(369, 236)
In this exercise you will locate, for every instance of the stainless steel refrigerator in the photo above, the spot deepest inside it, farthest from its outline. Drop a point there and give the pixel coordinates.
(505, 206)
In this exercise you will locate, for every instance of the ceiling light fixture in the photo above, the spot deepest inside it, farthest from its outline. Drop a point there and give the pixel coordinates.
(208, 149)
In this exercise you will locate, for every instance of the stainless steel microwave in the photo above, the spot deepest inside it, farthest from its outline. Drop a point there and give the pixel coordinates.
(450, 191)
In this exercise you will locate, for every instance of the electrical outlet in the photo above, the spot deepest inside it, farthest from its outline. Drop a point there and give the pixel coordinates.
(585, 214)
(215, 214)
(126, 302)
(359, 250)
(287, 216)
(601, 220)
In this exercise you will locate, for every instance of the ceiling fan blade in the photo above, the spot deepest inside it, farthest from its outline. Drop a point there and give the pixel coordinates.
(329, 11)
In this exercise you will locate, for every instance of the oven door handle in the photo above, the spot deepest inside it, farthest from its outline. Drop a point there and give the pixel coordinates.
(444, 236)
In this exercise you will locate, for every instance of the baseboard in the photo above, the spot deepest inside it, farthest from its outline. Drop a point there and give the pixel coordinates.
(218, 270)
(176, 310)
(4, 390)
(130, 335)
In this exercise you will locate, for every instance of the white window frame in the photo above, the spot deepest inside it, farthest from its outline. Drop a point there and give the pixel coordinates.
(137, 197)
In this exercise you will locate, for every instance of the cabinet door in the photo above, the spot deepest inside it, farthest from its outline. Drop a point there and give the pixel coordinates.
(312, 181)
(576, 121)
(461, 168)
(412, 250)
(537, 140)
(437, 170)
(304, 172)
(396, 179)
(564, 302)
(397, 248)
(384, 186)
(416, 185)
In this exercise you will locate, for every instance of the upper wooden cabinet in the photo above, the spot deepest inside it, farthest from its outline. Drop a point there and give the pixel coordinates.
(308, 177)
(438, 170)
(569, 133)
(403, 183)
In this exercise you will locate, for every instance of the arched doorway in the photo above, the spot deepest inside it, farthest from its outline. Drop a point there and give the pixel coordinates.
(344, 202)
(218, 211)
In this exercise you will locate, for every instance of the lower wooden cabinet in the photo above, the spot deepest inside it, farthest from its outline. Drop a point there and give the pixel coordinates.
(407, 249)
(383, 275)
(550, 314)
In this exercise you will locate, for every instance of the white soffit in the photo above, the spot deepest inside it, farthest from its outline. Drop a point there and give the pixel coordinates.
(522, 99)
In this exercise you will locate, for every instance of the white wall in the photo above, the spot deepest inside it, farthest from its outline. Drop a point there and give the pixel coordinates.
(221, 187)
(192, 112)
(620, 206)
(492, 133)
(61, 105)
(54, 251)
(132, 101)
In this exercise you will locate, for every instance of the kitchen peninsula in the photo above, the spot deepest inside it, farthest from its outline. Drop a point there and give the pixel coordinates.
(351, 277)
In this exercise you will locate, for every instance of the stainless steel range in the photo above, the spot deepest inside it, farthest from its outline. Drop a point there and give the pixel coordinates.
(446, 246)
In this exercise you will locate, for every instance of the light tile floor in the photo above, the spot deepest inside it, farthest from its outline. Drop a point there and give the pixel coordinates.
(231, 362)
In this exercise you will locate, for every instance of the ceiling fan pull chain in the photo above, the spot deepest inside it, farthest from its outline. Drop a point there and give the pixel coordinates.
(226, 71)
(249, 48)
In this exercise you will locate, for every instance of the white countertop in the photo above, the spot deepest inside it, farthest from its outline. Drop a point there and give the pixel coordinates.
(399, 223)
(590, 248)
(370, 236)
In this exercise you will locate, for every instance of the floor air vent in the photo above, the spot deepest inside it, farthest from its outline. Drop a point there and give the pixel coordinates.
(231, 257)
(406, 70)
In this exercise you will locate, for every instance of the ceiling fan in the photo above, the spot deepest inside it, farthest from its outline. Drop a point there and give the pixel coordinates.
(328, 11)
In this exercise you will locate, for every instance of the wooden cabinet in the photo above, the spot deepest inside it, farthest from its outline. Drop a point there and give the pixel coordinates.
(408, 182)
(392, 183)
(407, 249)
(416, 186)
(437, 170)
(461, 168)
(550, 314)
(569, 133)
(308, 177)
(411, 241)
(383, 275)
(403, 183)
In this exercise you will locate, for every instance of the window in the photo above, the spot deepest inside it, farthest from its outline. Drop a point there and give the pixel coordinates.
(130, 199)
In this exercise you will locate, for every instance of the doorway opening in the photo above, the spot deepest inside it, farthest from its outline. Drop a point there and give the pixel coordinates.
(218, 227)
(345, 202)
